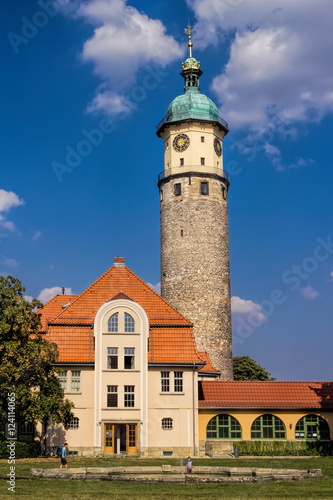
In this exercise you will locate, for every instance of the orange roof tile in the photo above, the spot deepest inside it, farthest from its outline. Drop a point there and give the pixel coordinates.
(112, 282)
(270, 394)
(53, 307)
(208, 366)
(172, 345)
(71, 328)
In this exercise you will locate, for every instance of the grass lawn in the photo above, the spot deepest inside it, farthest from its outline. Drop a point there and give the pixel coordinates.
(46, 489)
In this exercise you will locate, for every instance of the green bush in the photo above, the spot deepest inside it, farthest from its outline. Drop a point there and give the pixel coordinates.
(285, 448)
(22, 449)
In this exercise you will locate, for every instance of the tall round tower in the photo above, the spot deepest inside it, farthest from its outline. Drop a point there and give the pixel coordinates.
(195, 275)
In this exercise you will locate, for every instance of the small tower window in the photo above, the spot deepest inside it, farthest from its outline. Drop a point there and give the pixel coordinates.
(181, 161)
(178, 189)
(202, 161)
(204, 188)
(202, 138)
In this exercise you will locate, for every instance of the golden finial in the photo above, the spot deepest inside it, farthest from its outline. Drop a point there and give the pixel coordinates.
(189, 32)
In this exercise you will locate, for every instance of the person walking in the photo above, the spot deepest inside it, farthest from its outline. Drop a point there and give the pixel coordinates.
(63, 460)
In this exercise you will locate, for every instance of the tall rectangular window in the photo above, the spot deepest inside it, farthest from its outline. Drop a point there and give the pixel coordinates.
(178, 189)
(202, 138)
(178, 381)
(181, 162)
(112, 396)
(129, 356)
(75, 381)
(112, 358)
(202, 161)
(204, 188)
(129, 396)
(63, 380)
(165, 381)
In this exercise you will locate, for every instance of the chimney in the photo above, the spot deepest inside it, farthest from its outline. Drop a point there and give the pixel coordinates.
(119, 262)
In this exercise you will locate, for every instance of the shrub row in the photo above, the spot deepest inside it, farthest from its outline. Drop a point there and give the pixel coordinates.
(285, 448)
(22, 449)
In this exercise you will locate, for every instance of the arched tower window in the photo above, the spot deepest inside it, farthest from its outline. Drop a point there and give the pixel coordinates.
(113, 323)
(312, 427)
(268, 427)
(129, 323)
(223, 426)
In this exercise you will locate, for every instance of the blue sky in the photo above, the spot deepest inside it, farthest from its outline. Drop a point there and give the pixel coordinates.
(84, 85)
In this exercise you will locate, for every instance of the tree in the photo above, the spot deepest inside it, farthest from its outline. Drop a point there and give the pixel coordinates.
(27, 371)
(245, 368)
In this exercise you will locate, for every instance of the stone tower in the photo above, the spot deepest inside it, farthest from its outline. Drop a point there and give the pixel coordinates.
(195, 275)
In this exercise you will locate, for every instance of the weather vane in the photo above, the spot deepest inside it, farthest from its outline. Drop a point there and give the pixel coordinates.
(189, 32)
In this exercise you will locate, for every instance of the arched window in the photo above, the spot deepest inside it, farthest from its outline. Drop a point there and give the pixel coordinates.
(268, 427)
(113, 323)
(223, 426)
(129, 323)
(312, 427)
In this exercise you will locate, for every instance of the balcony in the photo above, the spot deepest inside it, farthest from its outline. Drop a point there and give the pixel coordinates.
(193, 170)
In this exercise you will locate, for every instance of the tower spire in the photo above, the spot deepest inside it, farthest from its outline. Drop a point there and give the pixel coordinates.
(189, 32)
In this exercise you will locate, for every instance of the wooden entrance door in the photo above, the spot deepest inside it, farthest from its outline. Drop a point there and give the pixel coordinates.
(109, 439)
(131, 439)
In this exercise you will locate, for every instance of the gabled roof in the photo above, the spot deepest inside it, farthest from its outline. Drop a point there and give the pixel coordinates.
(112, 282)
(71, 328)
(270, 394)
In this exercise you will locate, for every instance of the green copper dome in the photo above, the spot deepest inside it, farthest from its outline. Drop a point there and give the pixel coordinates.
(192, 104)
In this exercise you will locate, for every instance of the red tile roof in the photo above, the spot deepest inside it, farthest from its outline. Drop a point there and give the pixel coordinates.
(54, 307)
(120, 280)
(270, 394)
(208, 366)
(71, 328)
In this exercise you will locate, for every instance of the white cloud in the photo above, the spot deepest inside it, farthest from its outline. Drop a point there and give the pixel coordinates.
(124, 42)
(331, 277)
(279, 71)
(156, 287)
(36, 235)
(47, 293)
(308, 292)
(8, 200)
(7, 262)
(242, 308)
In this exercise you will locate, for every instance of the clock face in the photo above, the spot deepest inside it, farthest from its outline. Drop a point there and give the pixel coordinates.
(181, 142)
(217, 146)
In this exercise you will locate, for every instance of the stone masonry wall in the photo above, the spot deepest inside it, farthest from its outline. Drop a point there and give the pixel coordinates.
(195, 274)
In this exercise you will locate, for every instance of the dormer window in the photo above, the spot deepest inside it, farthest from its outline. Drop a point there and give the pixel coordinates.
(113, 323)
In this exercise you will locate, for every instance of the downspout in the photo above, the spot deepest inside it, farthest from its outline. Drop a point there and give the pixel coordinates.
(193, 408)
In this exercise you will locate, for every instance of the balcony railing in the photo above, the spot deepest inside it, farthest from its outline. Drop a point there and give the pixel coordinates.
(194, 169)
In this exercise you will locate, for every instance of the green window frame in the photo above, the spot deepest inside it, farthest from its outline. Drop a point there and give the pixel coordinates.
(312, 428)
(223, 426)
(268, 427)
